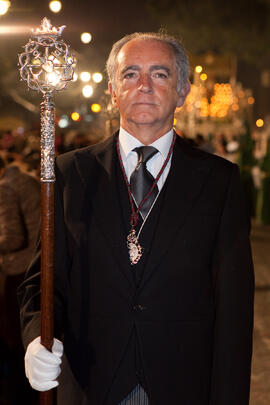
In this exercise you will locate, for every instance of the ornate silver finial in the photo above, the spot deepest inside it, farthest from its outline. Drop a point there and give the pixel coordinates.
(47, 64)
(47, 28)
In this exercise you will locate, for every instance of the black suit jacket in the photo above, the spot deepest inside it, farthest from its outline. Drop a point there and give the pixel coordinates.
(194, 323)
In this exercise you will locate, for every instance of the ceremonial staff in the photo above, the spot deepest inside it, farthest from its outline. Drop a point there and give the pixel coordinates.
(47, 65)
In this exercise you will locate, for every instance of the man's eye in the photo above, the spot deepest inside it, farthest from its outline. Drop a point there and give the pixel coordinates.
(160, 75)
(129, 75)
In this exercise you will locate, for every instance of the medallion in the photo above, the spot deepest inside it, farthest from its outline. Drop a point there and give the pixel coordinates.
(134, 248)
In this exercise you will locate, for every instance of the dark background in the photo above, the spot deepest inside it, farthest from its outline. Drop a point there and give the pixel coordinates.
(240, 28)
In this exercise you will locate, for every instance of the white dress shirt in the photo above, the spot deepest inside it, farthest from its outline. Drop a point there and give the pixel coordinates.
(127, 143)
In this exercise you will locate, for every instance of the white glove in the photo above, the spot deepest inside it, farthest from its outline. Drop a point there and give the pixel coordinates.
(42, 367)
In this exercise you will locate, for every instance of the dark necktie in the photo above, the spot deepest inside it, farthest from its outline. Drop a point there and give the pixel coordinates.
(141, 179)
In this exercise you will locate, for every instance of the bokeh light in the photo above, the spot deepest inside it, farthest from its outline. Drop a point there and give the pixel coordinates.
(87, 91)
(203, 76)
(63, 122)
(95, 107)
(259, 123)
(235, 107)
(85, 76)
(198, 69)
(53, 78)
(75, 116)
(86, 37)
(97, 77)
(55, 6)
(4, 6)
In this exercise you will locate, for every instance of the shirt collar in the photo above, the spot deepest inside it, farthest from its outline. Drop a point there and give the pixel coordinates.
(128, 143)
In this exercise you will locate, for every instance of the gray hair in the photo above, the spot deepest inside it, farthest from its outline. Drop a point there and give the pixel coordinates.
(181, 58)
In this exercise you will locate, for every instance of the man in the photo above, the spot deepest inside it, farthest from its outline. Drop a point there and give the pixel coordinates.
(19, 220)
(153, 271)
(19, 217)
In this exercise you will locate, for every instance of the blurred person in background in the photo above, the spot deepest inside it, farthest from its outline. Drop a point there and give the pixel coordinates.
(19, 223)
(203, 144)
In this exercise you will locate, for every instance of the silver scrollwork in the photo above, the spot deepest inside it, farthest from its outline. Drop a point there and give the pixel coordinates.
(47, 65)
(47, 139)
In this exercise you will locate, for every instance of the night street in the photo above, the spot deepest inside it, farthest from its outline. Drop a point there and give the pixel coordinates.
(260, 385)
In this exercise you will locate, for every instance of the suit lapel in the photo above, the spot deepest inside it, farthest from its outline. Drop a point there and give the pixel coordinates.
(184, 184)
(100, 180)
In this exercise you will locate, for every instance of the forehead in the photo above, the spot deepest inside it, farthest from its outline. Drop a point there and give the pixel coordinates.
(150, 51)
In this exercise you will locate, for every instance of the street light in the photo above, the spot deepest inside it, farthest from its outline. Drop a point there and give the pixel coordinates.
(86, 37)
(63, 122)
(259, 122)
(96, 108)
(75, 116)
(55, 6)
(97, 77)
(203, 76)
(87, 91)
(4, 6)
(85, 76)
(198, 69)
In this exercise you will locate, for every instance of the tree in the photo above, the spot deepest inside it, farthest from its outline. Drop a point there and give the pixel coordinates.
(241, 27)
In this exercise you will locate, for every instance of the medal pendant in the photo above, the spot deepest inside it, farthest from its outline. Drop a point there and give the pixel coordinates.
(134, 248)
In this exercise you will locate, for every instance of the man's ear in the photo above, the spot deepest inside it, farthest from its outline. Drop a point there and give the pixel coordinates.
(183, 93)
(112, 92)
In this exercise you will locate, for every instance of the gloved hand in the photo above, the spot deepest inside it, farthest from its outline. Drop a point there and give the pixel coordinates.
(42, 367)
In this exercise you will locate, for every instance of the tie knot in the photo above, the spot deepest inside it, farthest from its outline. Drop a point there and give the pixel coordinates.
(145, 153)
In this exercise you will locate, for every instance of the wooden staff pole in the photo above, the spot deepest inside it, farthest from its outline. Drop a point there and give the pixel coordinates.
(47, 146)
(47, 248)
(47, 235)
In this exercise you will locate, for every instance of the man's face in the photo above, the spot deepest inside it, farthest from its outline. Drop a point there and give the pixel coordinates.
(145, 86)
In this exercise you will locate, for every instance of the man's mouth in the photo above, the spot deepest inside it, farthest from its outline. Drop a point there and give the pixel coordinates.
(144, 103)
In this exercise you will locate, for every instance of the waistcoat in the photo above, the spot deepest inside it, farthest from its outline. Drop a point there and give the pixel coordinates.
(131, 370)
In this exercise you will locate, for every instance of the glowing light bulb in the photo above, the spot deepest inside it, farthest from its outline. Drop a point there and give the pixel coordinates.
(63, 122)
(85, 76)
(97, 77)
(235, 107)
(75, 116)
(86, 37)
(198, 69)
(203, 76)
(259, 123)
(87, 91)
(55, 6)
(48, 66)
(95, 108)
(4, 6)
(53, 78)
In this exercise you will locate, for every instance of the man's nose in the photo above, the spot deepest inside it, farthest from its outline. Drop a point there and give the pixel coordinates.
(145, 84)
